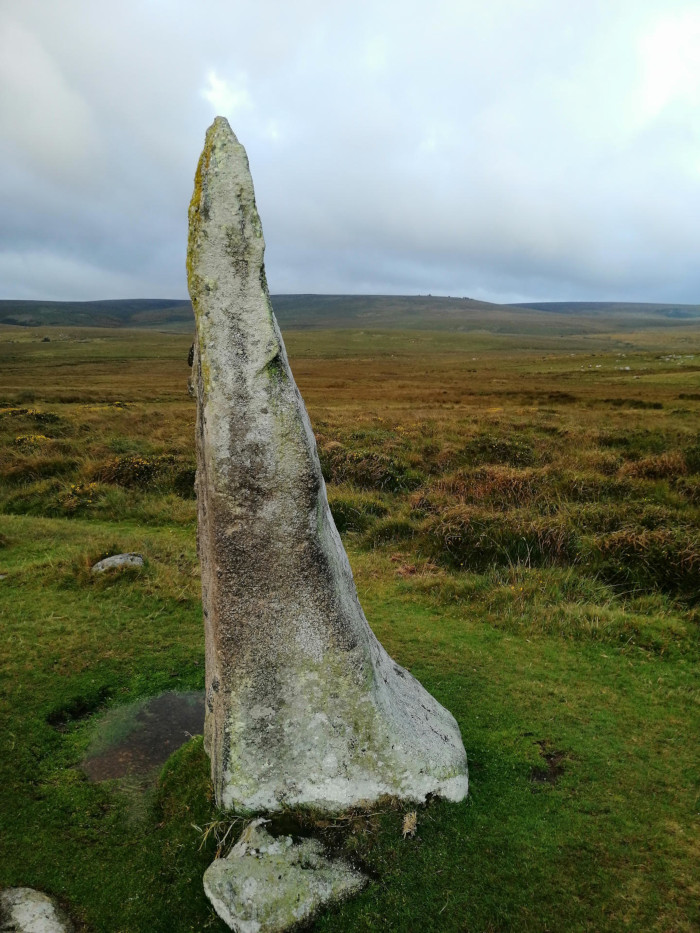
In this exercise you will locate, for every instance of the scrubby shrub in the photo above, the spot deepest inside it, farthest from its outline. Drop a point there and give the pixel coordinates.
(602, 462)
(638, 403)
(635, 443)
(183, 483)
(589, 487)
(353, 510)
(476, 539)
(78, 496)
(488, 448)
(22, 470)
(502, 487)
(662, 466)
(367, 469)
(601, 518)
(596, 518)
(389, 529)
(37, 498)
(639, 559)
(33, 414)
(689, 488)
(31, 442)
(692, 457)
(133, 470)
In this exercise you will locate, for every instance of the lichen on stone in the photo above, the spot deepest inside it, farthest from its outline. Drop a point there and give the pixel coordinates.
(309, 709)
(270, 884)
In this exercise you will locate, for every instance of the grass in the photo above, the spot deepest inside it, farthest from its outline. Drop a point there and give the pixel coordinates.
(523, 524)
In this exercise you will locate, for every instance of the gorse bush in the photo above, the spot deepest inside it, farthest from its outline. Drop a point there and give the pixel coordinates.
(134, 470)
(29, 442)
(30, 414)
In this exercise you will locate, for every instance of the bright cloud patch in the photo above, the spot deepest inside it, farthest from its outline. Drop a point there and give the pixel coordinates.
(227, 98)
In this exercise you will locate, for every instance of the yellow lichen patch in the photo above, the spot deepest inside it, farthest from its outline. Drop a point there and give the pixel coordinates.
(195, 211)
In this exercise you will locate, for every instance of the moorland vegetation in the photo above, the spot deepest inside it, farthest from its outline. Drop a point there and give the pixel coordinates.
(522, 513)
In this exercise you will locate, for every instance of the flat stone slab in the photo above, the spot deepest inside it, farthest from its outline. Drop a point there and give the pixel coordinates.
(267, 884)
(117, 561)
(24, 910)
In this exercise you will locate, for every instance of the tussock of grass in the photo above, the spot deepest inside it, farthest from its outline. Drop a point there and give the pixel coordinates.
(354, 509)
(475, 539)
(367, 469)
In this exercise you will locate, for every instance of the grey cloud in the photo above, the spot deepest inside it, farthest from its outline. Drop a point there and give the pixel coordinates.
(503, 150)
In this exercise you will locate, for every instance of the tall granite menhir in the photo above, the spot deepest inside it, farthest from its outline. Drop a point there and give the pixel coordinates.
(304, 706)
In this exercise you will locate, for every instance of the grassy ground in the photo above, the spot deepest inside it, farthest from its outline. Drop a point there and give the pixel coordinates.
(522, 516)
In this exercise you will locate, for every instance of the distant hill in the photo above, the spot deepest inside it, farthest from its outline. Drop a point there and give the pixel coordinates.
(650, 310)
(127, 312)
(370, 312)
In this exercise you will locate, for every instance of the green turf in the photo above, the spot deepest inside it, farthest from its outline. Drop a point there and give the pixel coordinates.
(570, 661)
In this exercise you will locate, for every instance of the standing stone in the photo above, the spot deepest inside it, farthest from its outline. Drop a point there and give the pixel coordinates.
(304, 706)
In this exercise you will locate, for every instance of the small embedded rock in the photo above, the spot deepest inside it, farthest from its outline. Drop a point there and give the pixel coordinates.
(24, 910)
(117, 561)
(268, 885)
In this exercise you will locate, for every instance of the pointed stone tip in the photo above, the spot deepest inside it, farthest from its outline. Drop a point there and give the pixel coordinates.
(221, 126)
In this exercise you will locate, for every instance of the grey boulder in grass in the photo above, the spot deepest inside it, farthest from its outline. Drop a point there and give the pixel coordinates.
(24, 910)
(267, 884)
(117, 562)
(303, 704)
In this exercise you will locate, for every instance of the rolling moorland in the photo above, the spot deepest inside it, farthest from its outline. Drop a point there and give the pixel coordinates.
(367, 311)
(519, 495)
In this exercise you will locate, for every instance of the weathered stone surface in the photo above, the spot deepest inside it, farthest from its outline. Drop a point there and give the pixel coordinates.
(117, 560)
(24, 910)
(268, 885)
(304, 706)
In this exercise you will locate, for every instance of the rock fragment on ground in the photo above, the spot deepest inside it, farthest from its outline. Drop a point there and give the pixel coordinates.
(304, 705)
(267, 884)
(25, 910)
(117, 561)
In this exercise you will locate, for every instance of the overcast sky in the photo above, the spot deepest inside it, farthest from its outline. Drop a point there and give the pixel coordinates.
(506, 150)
